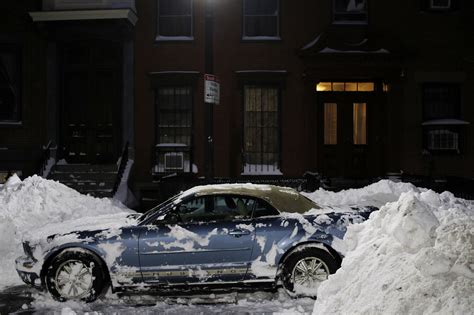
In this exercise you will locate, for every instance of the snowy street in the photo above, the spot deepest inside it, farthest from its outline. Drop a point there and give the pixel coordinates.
(413, 256)
(24, 300)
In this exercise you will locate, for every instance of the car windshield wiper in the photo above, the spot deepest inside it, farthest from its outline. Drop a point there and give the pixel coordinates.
(153, 210)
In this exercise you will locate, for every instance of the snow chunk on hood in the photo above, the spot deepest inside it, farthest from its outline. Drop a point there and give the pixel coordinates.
(414, 256)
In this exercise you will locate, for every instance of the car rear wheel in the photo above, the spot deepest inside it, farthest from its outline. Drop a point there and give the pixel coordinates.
(75, 274)
(304, 270)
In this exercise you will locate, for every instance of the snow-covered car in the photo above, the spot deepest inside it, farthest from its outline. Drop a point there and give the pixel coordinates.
(214, 236)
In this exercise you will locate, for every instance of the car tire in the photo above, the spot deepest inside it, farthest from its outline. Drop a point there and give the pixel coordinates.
(319, 264)
(76, 274)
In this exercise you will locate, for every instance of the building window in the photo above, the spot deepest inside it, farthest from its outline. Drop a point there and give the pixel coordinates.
(175, 20)
(350, 11)
(439, 5)
(441, 101)
(345, 87)
(261, 152)
(330, 123)
(10, 83)
(442, 126)
(359, 123)
(174, 129)
(261, 19)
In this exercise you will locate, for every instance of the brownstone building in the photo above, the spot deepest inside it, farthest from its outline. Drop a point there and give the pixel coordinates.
(353, 89)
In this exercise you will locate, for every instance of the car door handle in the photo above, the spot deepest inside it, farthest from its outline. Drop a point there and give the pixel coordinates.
(238, 232)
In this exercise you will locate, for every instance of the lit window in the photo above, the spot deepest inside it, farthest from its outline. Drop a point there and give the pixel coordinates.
(365, 86)
(175, 19)
(351, 87)
(330, 123)
(360, 123)
(261, 19)
(350, 11)
(345, 87)
(338, 86)
(324, 86)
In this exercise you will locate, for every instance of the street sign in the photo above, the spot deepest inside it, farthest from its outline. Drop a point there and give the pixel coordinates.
(211, 89)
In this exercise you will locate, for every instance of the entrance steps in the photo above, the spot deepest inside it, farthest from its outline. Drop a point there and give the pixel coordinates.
(97, 180)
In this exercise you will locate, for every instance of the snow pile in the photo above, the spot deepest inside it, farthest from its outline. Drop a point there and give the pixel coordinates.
(377, 194)
(29, 206)
(414, 256)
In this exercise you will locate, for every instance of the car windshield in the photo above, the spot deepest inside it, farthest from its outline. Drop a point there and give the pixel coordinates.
(153, 210)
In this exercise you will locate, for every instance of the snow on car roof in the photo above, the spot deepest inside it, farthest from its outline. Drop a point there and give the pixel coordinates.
(284, 199)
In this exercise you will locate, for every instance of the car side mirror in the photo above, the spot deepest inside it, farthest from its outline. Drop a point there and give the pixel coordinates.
(171, 218)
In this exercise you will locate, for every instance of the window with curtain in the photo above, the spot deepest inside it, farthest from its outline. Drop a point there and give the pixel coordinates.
(175, 19)
(174, 128)
(330, 123)
(261, 130)
(10, 84)
(260, 18)
(360, 123)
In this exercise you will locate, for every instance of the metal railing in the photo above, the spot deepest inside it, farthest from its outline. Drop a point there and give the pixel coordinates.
(45, 156)
(121, 168)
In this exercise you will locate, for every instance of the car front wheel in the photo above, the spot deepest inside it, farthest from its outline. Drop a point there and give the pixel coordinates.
(75, 274)
(304, 270)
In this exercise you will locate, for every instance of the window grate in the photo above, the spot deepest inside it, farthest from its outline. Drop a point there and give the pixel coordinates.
(442, 139)
(173, 129)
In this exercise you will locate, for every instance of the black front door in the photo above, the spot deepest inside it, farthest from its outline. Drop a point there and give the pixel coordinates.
(91, 101)
(345, 135)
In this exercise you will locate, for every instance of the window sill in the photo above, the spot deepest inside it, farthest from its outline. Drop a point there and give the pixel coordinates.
(261, 38)
(174, 38)
(11, 124)
(350, 23)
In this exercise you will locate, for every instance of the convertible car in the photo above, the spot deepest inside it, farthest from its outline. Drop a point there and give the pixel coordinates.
(214, 236)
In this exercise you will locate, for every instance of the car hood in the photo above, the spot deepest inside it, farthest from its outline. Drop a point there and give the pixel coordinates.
(80, 228)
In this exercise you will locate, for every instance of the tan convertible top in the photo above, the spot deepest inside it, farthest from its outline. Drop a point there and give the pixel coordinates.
(284, 199)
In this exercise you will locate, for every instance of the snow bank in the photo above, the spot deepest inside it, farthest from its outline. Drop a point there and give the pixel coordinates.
(413, 256)
(377, 194)
(36, 204)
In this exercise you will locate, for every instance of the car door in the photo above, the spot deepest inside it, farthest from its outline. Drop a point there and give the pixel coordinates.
(202, 239)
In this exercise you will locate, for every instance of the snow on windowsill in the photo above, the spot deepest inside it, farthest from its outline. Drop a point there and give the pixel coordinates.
(312, 43)
(253, 38)
(260, 169)
(328, 50)
(261, 71)
(174, 38)
(11, 123)
(438, 122)
(174, 145)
